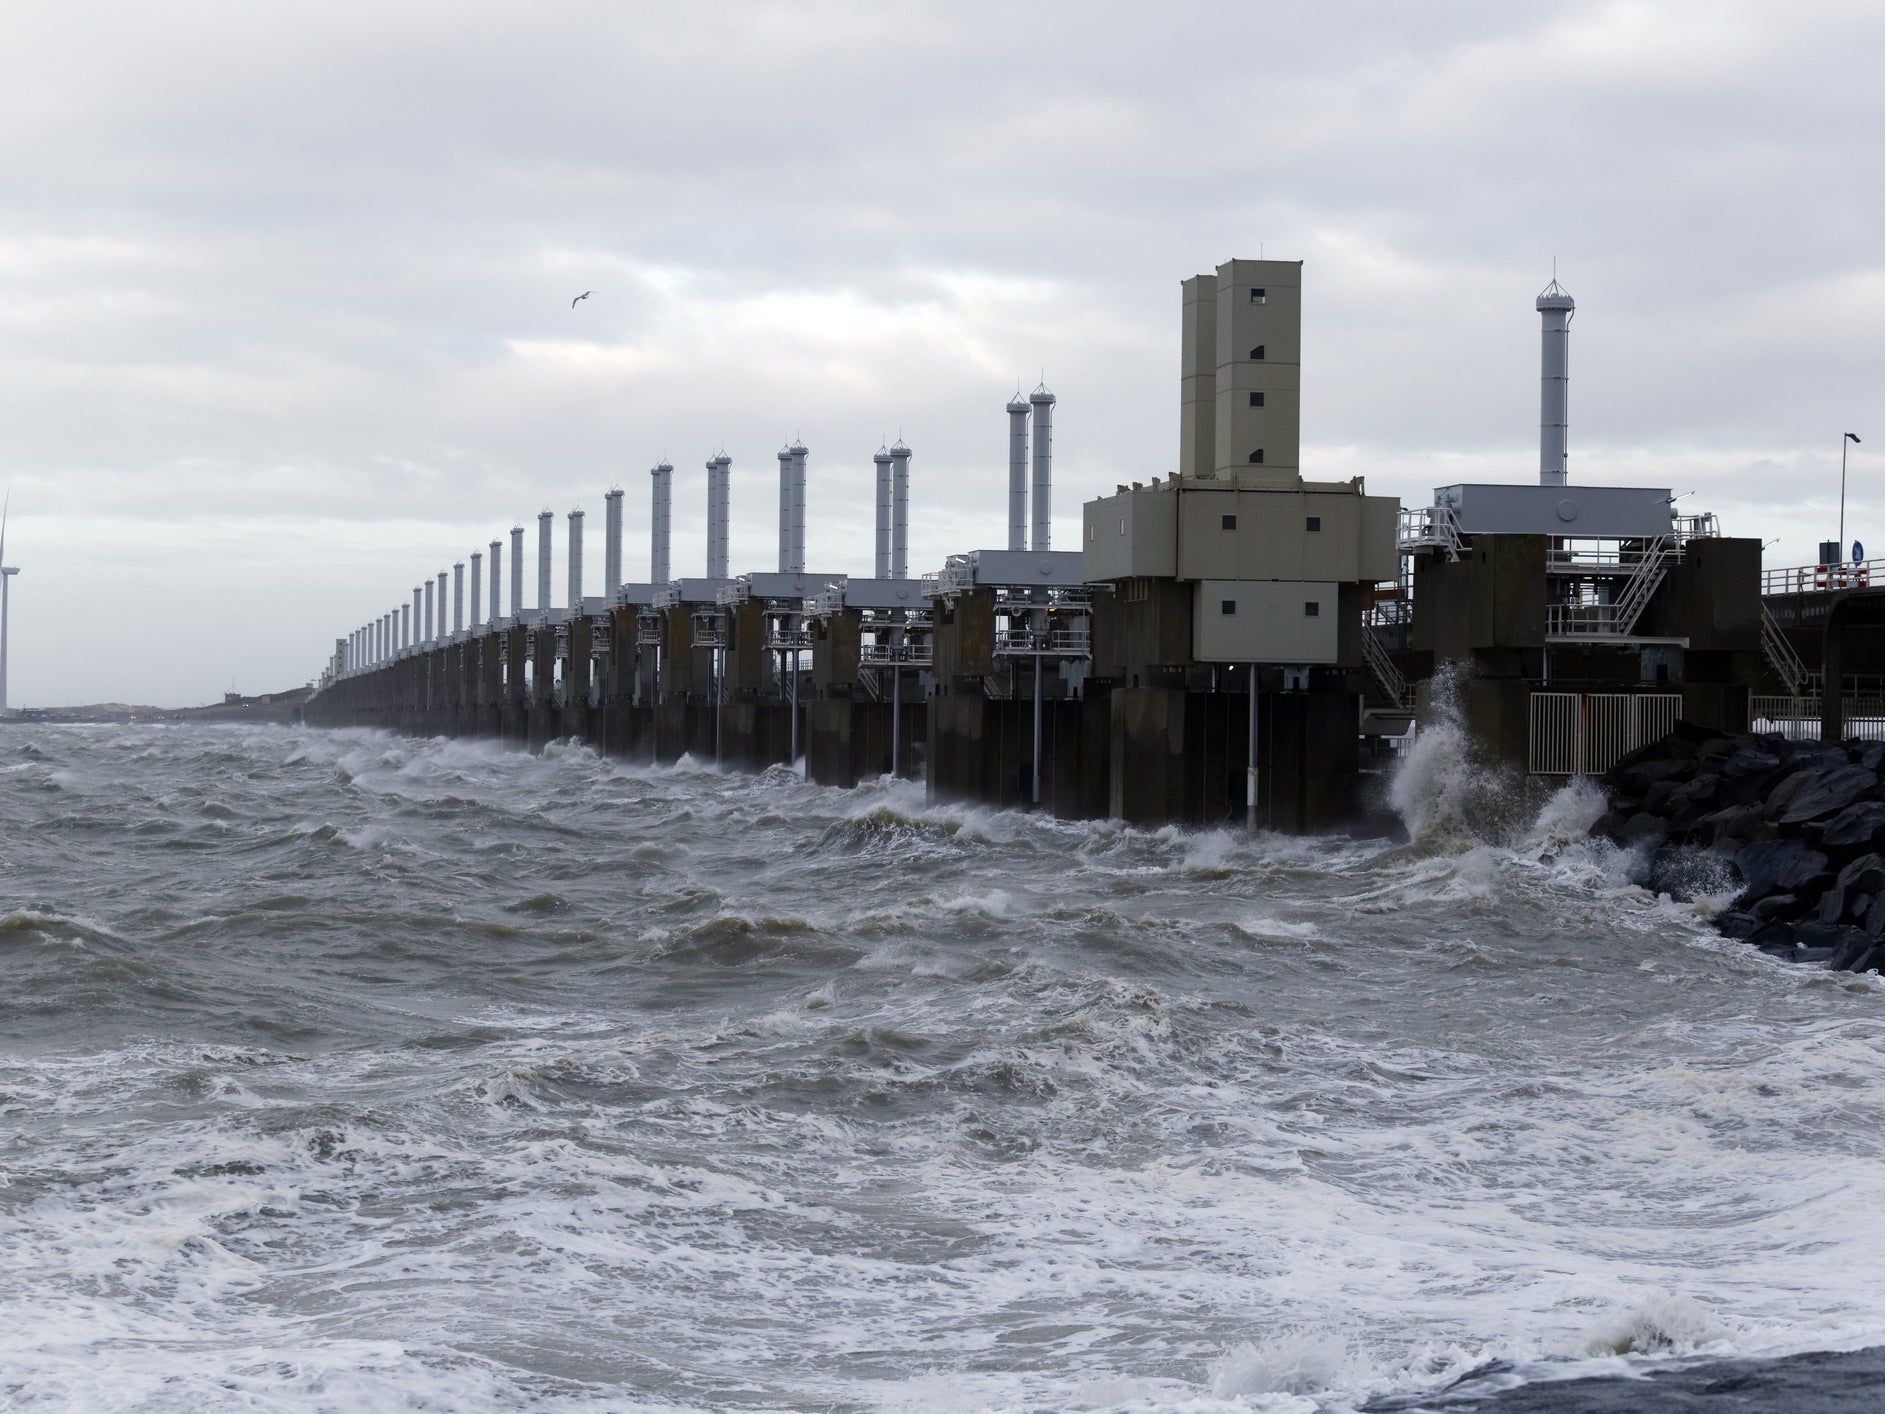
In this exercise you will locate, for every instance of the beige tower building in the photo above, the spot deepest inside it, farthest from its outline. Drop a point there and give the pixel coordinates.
(1241, 377)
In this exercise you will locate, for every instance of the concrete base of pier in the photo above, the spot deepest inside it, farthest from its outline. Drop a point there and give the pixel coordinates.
(847, 742)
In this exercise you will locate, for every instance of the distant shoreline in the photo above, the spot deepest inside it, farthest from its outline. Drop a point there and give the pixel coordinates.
(265, 707)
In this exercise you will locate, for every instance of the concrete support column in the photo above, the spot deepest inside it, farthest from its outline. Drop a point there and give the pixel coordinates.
(546, 520)
(458, 598)
(429, 634)
(497, 573)
(477, 584)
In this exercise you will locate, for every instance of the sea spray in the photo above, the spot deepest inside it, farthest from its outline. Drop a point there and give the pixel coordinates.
(1446, 792)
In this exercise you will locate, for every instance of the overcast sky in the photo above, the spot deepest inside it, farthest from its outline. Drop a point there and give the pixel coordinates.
(285, 289)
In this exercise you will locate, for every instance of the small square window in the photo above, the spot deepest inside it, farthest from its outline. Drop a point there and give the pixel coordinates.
(1256, 457)
(1227, 606)
(1256, 400)
(1230, 522)
(1257, 352)
(1311, 609)
(1312, 524)
(1258, 297)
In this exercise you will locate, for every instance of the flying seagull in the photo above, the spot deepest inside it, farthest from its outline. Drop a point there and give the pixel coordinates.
(581, 297)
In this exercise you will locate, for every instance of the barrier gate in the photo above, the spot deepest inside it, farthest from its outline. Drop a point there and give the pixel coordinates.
(1586, 733)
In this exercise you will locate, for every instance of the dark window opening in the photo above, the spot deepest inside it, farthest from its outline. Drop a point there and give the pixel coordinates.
(1312, 610)
(1257, 352)
(1230, 522)
(1256, 400)
(1312, 524)
(1228, 606)
(1256, 457)
(1258, 297)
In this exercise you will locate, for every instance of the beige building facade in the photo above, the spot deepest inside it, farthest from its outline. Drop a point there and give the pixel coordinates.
(1241, 369)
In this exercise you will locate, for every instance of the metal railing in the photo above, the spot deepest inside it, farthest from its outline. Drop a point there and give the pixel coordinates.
(1798, 717)
(1792, 715)
(1058, 599)
(825, 602)
(1822, 579)
(1697, 527)
(1058, 642)
(1600, 557)
(1423, 527)
(887, 655)
(788, 638)
(710, 630)
(1586, 733)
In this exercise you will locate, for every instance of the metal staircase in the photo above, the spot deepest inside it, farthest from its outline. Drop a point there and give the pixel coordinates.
(1642, 586)
(1387, 677)
(1780, 655)
(1585, 618)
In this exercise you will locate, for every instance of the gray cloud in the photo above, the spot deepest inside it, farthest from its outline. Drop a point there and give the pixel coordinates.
(284, 291)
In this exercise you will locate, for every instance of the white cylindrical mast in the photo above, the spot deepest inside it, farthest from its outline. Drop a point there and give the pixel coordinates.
(477, 584)
(660, 566)
(785, 510)
(430, 636)
(575, 563)
(799, 452)
(1017, 472)
(546, 527)
(419, 629)
(405, 628)
(458, 598)
(1556, 307)
(444, 633)
(517, 574)
(900, 511)
(719, 502)
(497, 573)
(1043, 404)
(611, 543)
(882, 461)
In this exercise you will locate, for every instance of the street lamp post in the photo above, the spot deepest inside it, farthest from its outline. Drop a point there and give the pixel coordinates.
(1849, 437)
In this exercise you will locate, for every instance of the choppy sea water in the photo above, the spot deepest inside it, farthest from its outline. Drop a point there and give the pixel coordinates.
(343, 1071)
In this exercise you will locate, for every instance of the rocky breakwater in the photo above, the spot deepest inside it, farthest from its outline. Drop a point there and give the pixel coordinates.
(1802, 822)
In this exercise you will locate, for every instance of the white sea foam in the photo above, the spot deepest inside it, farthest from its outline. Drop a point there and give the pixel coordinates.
(911, 1107)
